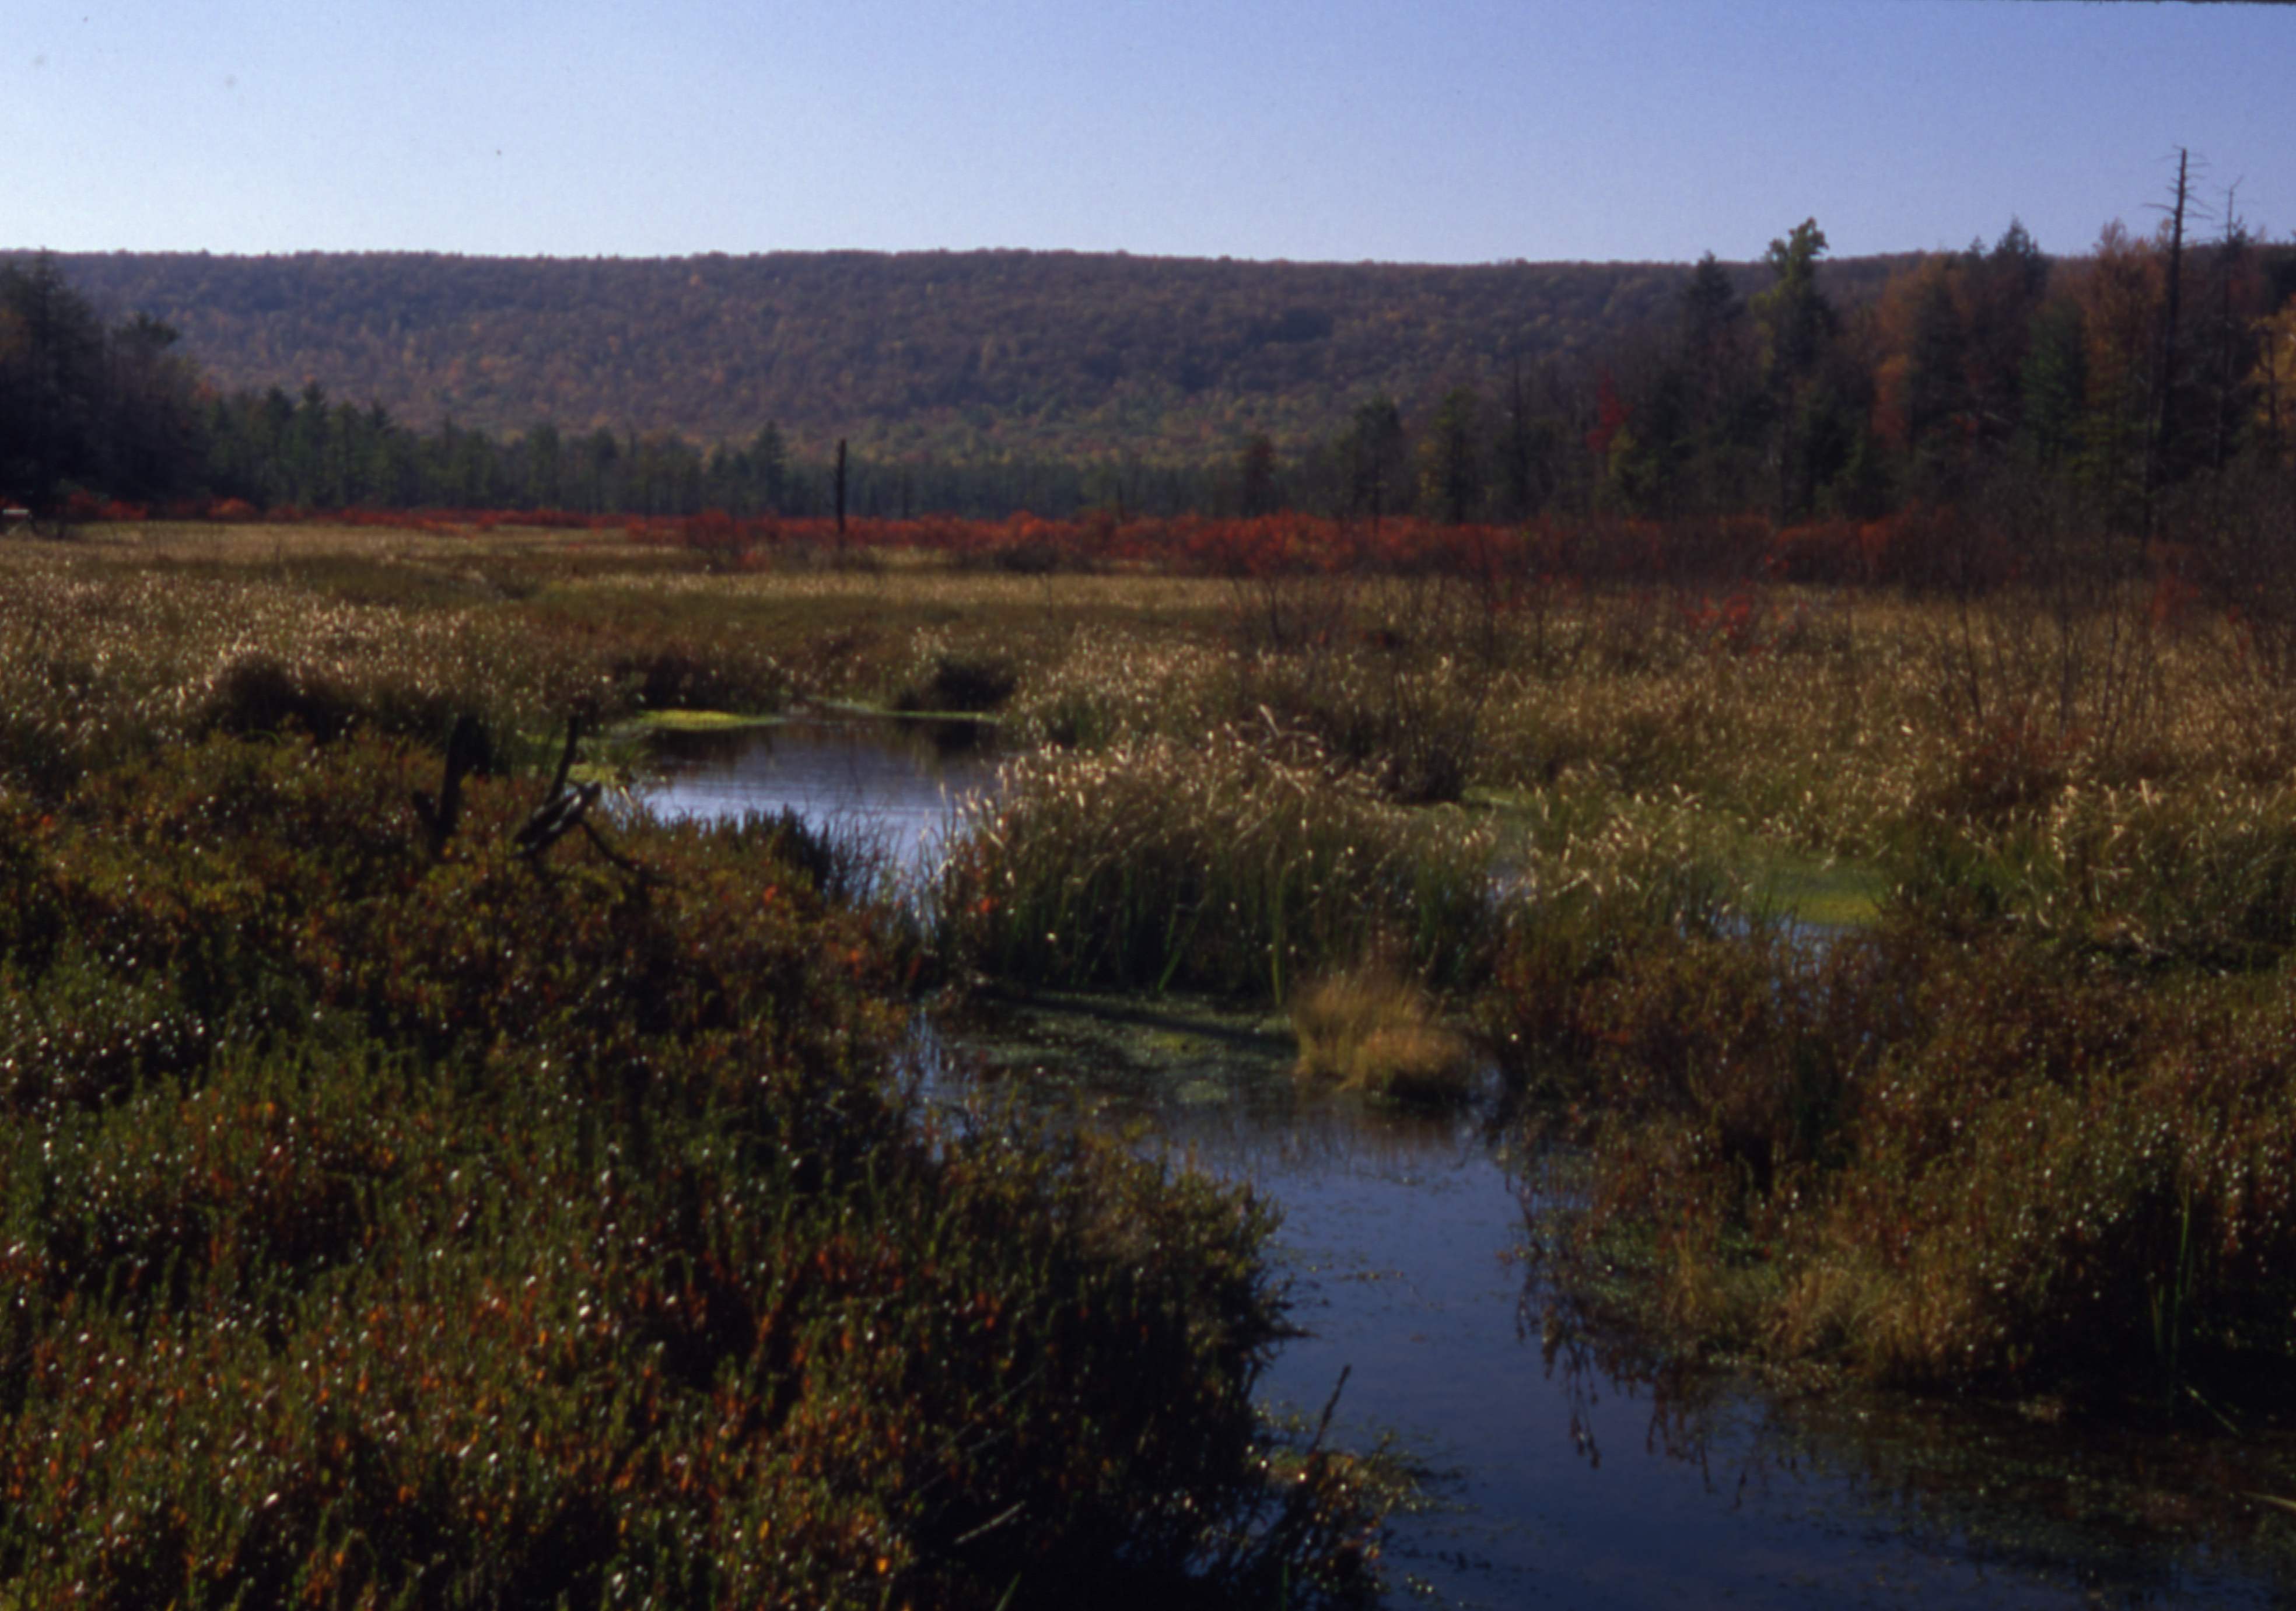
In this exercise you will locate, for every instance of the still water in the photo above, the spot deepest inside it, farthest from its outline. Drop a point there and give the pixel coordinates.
(1555, 1477)
(890, 782)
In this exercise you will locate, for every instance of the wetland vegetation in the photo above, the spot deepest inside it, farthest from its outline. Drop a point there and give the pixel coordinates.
(1452, 851)
(1901, 974)
(393, 1219)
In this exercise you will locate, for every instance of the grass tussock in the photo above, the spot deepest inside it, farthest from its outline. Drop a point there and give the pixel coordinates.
(1219, 867)
(1369, 1029)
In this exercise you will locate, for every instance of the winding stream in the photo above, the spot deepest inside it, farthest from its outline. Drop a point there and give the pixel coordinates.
(1555, 1477)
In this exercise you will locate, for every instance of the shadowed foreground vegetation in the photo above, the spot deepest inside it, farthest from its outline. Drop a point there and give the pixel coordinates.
(459, 1229)
(380, 1227)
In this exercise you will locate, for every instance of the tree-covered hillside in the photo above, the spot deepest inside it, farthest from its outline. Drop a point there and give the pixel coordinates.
(1052, 354)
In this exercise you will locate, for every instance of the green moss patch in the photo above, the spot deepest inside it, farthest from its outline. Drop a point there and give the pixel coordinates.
(699, 720)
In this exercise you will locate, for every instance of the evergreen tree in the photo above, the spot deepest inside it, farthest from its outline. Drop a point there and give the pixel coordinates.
(1451, 458)
(2054, 384)
(544, 467)
(154, 440)
(1797, 326)
(1256, 493)
(1376, 457)
(769, 469)
(1937, 402)
(1717, 399)
(52, 386)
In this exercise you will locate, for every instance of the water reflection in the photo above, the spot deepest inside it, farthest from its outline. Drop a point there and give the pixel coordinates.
(892, 782)
(1568, 1468)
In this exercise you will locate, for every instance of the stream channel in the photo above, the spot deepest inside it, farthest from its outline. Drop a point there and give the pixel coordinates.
(1554, 1475)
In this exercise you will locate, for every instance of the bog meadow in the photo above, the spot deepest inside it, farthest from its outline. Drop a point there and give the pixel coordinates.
(1805, 779)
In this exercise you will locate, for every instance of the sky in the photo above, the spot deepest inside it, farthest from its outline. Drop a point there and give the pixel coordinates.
(1447, 131)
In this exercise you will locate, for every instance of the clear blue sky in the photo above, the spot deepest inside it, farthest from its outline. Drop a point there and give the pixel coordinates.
(1308, 129)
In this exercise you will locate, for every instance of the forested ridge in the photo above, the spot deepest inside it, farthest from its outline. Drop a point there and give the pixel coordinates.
(1053, 355)
(984, 384)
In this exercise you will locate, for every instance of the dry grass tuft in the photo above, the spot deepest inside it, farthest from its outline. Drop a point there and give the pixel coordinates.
(1372, 1029)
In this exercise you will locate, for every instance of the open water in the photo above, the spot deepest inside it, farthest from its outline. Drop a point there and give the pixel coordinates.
(1556, 1475)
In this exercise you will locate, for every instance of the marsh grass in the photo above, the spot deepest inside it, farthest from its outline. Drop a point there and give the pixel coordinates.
(1408, 724)
(1369, 1029)
(103, 666)
(384, 1226)
(1823, 894)
(2022, 1127)
(2202, 876)
(1936, 1163)
(392, 1226)
(699, 720)
(1216, 867)
(2027, 913)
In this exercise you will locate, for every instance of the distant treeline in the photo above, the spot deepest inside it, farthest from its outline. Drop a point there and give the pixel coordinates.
(952, 355)
(2122, 374)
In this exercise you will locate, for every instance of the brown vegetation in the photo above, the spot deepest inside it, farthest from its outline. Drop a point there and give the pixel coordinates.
(2025, 1130)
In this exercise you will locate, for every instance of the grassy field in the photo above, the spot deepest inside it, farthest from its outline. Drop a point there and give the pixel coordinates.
(1910, 973)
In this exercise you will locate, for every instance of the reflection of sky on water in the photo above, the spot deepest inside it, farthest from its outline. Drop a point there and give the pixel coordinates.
(1558, 1484)
(890, 782)
(1555, 1485)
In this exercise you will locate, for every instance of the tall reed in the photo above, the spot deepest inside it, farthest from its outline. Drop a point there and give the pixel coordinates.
(1219, 866)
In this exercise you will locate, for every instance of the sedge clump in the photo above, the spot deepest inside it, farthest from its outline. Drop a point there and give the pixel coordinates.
(1372, 1029)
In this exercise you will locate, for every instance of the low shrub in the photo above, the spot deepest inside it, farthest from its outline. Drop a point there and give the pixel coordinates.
(950, 680)
(1411, 729)
(386, 1225)
(692, 674)
(1937, 1163)
(2205, 875)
